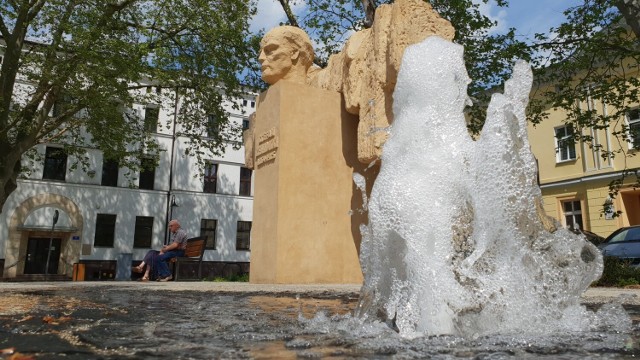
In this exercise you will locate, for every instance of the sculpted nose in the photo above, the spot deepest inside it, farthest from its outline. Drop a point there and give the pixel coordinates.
(262, 57)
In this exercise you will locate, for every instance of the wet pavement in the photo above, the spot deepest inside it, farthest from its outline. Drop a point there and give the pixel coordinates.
(188, 320)
(208, 320)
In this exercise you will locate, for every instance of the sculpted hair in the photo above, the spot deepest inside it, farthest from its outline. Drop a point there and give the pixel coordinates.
(298, 38)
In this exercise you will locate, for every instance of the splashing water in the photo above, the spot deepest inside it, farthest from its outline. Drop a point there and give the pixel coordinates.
(454, 243)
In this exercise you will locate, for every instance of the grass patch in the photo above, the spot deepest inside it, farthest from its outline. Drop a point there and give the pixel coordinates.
(232, 278)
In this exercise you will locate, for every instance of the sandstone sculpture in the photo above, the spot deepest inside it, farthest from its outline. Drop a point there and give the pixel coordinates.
(249, 143)
(366, 69)
(285, 54)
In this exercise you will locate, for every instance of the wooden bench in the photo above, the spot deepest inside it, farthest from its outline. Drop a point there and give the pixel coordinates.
(193, 253)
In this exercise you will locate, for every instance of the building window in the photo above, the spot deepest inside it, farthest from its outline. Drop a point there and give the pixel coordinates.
(245, 181)
(210, 177)
(143, 232)
(565, 144)
(633, 121)
(243, 235)
(253, 104)
(208, 229)
(151, 115)
(110, 173)
(214, 127)
(245, 102)
(105, 230)
(572, 214)
(147, 174)
(55, 164)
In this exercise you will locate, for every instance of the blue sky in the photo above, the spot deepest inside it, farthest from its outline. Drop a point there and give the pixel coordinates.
(527, 16)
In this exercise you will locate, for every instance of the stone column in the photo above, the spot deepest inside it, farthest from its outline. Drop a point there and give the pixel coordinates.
(305, 148)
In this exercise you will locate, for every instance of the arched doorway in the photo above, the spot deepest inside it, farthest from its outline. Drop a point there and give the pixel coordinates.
(35, 246)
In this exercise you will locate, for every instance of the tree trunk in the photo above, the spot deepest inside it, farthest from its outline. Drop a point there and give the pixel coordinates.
(287, 10)
(630, 9)
(9, 171)
(369, 8)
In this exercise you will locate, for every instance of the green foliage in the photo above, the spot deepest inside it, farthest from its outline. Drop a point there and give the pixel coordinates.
(618, 272)
(80, 66)
(488, 56)
(331, 22)
(232, 278)
(627, 282)
(592, 58)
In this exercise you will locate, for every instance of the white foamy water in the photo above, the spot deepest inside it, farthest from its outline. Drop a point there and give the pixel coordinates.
(454, 244)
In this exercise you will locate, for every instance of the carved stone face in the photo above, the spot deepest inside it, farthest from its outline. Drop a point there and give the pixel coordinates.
(276, 58)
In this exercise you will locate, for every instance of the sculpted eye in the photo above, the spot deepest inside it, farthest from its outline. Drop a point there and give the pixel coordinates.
(270, 48)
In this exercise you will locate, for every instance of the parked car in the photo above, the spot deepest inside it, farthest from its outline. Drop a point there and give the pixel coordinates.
(623, 243)
(593, 237)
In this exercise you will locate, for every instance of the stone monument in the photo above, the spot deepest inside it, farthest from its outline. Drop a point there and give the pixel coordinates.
(312, 130)
(366, 70)
(299, 143)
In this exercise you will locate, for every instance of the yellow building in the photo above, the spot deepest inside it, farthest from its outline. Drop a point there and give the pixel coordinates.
(575, 178)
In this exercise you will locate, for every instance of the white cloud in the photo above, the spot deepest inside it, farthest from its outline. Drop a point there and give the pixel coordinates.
(270, 14)
(495, 13)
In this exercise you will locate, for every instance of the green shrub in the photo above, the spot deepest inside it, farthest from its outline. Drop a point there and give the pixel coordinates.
(627, 282)
(232, 278)
(618, 272)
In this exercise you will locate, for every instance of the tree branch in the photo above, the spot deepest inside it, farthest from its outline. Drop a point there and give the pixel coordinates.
(167, 34)
(630, 10)
(4, 31)
(287, 10)
(605, 45)
(56, 123)
(117, 7)
(35, 8)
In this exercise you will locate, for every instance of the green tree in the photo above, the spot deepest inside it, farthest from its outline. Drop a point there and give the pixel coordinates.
(71, 69)
(488, 55)
(592, 57)
(593, 54)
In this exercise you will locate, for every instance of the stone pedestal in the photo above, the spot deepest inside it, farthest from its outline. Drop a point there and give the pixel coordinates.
(305, 154)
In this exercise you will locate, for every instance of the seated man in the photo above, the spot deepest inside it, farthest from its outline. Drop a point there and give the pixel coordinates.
(174, 249)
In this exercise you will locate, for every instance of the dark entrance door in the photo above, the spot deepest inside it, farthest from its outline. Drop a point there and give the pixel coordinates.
(37, 256)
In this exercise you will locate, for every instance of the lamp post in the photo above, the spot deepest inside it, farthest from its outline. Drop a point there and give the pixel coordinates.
(55, 220)
(173, 204)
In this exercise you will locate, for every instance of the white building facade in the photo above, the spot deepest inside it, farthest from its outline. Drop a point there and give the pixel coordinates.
(107, 220)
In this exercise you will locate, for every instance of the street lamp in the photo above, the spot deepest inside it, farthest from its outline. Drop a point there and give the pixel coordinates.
(55, 220)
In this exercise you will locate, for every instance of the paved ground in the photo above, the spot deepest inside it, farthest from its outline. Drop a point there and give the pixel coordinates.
(602, 295)
(187, 286)
(592, 295)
